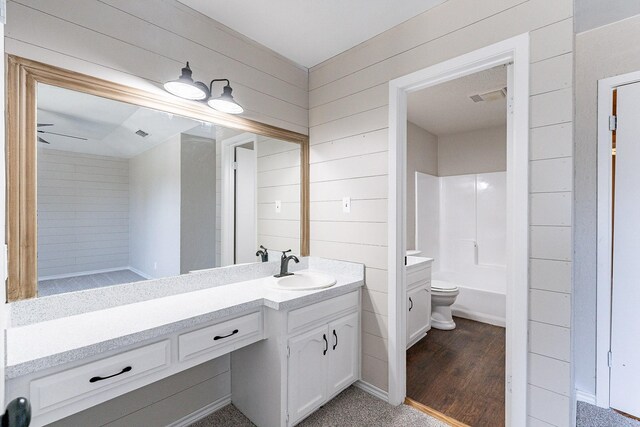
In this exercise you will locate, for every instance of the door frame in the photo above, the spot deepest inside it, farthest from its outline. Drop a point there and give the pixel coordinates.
(604, 238)
(227, 220)
(514, 51)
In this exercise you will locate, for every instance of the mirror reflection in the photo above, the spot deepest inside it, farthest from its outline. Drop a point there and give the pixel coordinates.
(128, 193)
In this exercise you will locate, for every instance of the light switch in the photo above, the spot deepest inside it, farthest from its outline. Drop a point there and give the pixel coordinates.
(346, 204)
(278, 206)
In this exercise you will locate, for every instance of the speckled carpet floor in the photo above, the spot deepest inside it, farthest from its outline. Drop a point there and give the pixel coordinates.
(353, 407)
(593, 416)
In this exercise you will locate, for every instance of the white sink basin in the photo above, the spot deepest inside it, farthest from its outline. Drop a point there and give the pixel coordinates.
(304, 281)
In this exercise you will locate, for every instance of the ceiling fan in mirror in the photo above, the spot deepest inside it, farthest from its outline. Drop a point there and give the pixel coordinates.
(40, 131)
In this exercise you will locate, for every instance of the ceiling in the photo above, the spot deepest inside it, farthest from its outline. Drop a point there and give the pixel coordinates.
(447, 109)
(309, 32)
(109, 126)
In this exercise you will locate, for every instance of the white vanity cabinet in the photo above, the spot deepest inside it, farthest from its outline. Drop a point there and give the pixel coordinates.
(418, 299)
(321, 348)
(322, 363)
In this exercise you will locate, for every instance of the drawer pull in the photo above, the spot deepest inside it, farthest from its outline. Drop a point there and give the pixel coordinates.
(96, 379)
(219, 337)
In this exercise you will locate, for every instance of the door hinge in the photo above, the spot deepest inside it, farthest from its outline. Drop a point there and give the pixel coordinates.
(287, 419)
(288, 351)
(235, 166)
(509, 383)
(613, 122)
(609, 359)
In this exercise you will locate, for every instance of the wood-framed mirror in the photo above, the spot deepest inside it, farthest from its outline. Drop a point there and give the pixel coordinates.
(109, 184)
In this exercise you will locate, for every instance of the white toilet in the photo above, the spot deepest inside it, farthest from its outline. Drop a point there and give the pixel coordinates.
(443, 295)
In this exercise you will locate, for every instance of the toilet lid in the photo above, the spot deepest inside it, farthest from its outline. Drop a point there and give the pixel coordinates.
(442, 286)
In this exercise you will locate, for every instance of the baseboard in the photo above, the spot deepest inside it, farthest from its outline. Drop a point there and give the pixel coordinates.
(585, 397)
(82, 273)
(202, 412)
(372, 390)
(139, 273)
(480, 317)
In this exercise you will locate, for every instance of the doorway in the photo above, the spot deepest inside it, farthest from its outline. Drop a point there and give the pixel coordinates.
(239, 195)
(618, 295)
(513, 51)
(456, 217)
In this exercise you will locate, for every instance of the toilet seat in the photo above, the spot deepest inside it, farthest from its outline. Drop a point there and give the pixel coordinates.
(443, 287)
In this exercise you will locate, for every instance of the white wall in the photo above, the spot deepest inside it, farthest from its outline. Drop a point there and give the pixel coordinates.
(591, 14)
(83, 212)
(477, 151)
(422, 156)
(278, 179)
(197, 203)
(595, 60)
(348, 102)
(154, 224)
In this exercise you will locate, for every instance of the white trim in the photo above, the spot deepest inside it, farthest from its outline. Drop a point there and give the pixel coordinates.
(372, 390)
(83, 273)
(603, 263)
(202, 412)
(228, 182)
(582, 396)
(516, 50)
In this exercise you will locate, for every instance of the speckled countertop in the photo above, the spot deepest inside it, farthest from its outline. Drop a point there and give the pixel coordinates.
(36, 346)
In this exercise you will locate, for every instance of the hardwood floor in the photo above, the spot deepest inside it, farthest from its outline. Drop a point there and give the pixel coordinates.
(460, 373)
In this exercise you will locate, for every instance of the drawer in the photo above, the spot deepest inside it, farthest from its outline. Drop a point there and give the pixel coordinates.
(312, 313)
(220, 335)
(420, 275)
(83, 381)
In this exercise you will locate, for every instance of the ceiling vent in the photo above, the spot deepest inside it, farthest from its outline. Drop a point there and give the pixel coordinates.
(142, 133)
(494, 95)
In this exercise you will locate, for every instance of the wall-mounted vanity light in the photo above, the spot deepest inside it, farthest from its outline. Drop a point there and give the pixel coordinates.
(185, 87)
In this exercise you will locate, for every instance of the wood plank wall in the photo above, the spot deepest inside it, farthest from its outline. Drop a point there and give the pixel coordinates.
(83, 213)
(145, 43)
(278, 179)
(348, 119)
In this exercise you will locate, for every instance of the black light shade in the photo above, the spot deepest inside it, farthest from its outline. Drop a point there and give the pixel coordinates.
(225, 102)
(185, 87)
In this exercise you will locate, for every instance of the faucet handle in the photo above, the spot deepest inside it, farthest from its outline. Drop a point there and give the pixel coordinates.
(284, 253)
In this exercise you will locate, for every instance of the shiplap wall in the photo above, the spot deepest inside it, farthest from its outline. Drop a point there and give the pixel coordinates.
(348, 119)
(145, 43)
(278, 179)
(142, 44)
(83, 212)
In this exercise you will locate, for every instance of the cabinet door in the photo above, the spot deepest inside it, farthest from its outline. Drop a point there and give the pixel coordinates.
(418, 318)
(344, 346)
(308, 362)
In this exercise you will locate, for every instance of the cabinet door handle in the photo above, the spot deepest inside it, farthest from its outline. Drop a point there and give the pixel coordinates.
(219, 337)
(326, 344)
(336, 336)
(411, 301)
(96, 379)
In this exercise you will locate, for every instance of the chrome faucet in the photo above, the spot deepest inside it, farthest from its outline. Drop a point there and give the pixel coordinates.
(284, 264)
